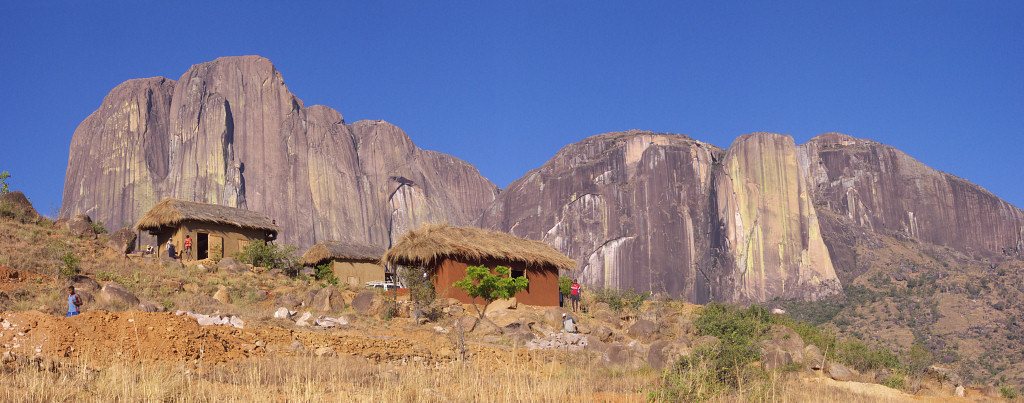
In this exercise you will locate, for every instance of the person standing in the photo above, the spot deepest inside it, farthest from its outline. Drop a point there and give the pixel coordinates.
(188, 246)
(171, 253)
(74, 301)
(574, 294)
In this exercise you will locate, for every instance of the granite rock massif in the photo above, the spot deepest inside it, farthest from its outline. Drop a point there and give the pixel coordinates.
(764, 219)
(229, 132)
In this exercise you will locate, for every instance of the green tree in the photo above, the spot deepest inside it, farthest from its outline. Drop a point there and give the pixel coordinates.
(259, 253)
(4, 188)
(490, 285)
(563, 285)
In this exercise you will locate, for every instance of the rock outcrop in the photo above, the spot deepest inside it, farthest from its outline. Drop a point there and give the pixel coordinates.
(229, 132)
(883, 190)
(665, 213)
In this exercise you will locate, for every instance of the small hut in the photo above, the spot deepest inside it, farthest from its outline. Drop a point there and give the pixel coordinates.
(446, 252)
(352, 263)
(212, 227)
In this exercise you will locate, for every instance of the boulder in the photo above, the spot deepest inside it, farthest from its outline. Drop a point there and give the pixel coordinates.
(485, 327)
(230, 265)
(191, 288)
(367, 302)
(324, 352)
(786, 339)
(813, 358)
(150, 306)
(609, 318)
(643, 330)
(81, 226)
(222, 295)
(595, 344)
(583, 329)
(328, 299)
(283, 313)
(839, 372)
(776, 358)
(945, 376)
(553, 317)
(288, 301)
(618, 356)
(304, 320)
(510, 303)
(663, 353)
(324, 321)
(18, 200)
(122, 241)
(84, 283)
(114, 293)
(467, 322)
(603, 333)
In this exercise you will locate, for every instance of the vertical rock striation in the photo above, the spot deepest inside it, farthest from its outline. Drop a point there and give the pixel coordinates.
(229, 132)
(771, 228)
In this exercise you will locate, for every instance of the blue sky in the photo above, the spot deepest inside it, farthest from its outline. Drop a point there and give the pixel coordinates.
(504, 85)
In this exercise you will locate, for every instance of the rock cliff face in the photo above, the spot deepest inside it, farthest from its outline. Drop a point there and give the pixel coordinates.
(229, 132)
(883, 190)
(771, 229)
(662, 212)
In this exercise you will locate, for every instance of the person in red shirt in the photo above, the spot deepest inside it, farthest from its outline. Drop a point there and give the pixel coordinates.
(188, 246)
(574, 294)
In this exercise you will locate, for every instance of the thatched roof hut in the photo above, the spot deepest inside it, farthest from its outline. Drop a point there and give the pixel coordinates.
(431, 243)
(342, 250)
(171, 212)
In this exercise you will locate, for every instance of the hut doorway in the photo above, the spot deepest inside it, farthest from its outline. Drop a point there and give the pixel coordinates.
(202, 245)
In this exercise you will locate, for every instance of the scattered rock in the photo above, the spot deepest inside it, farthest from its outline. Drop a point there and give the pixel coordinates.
(776, 358)
(304, 319)
(593, 344)
(114, 293)
(328, 299)
(122, 241)
(324, 321)
(288, 301)
(230, 265)
(582, 329)
(173, 285)
(813, 357)
(19, 201)
(150, 306)
(297, 346)
(558, 341)
(609, 318)
(603, 333)
(617, 356)
(643, 329)
(786, 339)
(485, 327)
(191, 287)
(324, 352)
(553, 317)
(510, 303)
(222, 295)
(663, 353)
(467, 322)
(367, 302)
(81, 226)
(839, 372)
(215, 319)
(307, 271)
(283, 313)
(85, 283)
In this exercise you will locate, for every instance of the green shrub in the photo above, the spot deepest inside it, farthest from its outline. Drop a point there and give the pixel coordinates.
(895, 381)
(324, 273)
(564, 284)
(618, 300)
(68, 266)
(97, 227)
(1007, 392)
(270, 256)
(490, 284)
(4, 187)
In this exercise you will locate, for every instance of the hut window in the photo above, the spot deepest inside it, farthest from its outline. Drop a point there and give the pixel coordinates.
(518, 273)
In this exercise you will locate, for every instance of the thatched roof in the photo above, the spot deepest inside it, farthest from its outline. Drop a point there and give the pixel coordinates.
(172, 212)
(343, 250)
(433, 242)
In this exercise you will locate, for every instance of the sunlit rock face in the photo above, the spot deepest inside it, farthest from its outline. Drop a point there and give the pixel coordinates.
(881, 189)
(630, 207)
(230, 132)
(770, 227)
(665, 213)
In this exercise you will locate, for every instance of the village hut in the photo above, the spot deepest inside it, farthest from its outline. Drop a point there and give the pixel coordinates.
(352, 263)
(446, 251)
(213, 228)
